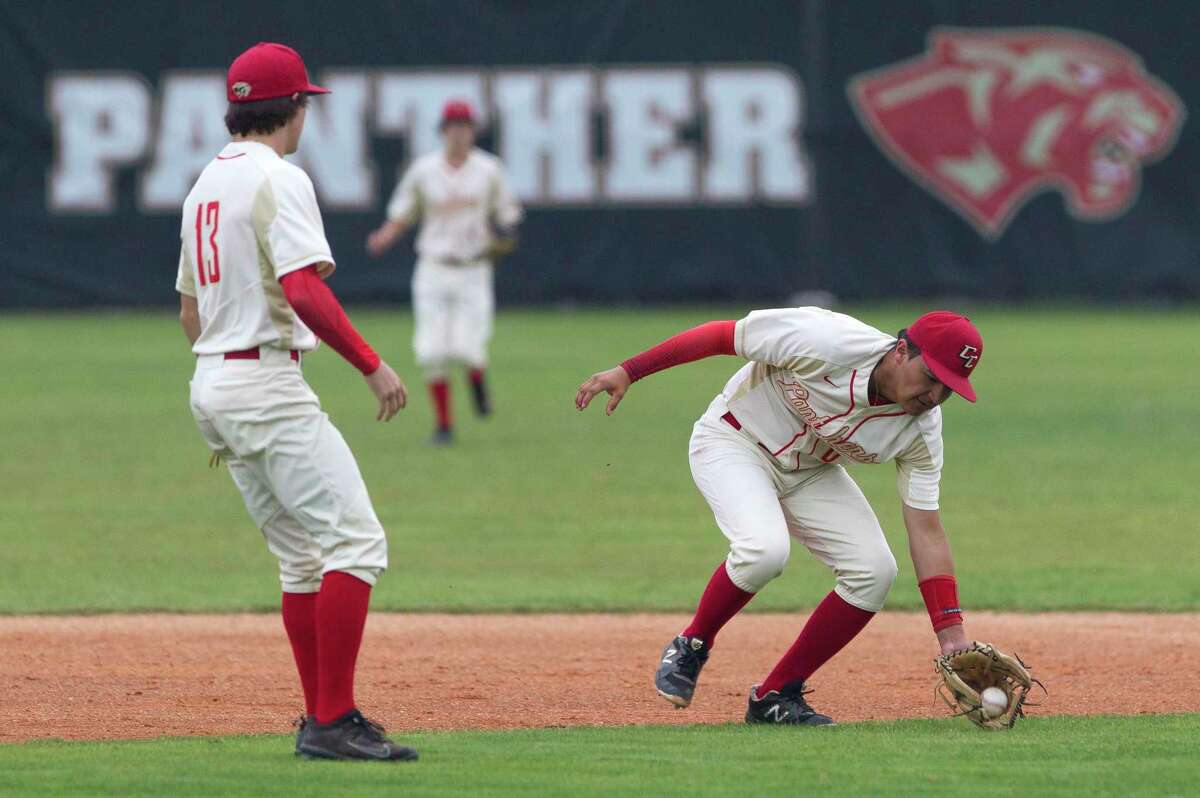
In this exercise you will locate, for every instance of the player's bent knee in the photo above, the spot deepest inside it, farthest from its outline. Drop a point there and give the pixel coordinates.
(868, 581)
(300, 577)
(469, 356)
(751, 567)
(434, 368)
(363, 555)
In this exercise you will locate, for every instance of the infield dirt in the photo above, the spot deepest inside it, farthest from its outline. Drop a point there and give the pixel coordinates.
(130, 676)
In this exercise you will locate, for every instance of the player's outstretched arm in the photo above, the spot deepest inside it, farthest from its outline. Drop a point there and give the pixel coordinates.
(318, 308)
(934, 566)
(385, 236)
(713, 338)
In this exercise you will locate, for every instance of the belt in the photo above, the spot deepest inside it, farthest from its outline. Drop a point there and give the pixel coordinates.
(253, 354)
(450, 260)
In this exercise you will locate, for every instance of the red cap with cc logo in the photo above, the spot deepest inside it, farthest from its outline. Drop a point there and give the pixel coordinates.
(266, 71)
(951, 347)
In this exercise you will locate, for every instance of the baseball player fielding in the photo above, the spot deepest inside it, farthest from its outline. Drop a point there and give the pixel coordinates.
(253, 303)
(819, 389)
(468, 217)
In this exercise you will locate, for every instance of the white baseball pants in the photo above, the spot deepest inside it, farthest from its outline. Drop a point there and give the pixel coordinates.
(296, 473)
(760, 508)
(453, 309)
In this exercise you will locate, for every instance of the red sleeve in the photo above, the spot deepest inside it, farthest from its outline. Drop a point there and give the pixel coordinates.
(318, 308)
(713, 338)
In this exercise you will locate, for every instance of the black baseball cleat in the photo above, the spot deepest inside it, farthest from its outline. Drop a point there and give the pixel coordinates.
(679, 669)
(302, 724)
(350, 737)
(784, 707)
(483, 400)
(442, 436)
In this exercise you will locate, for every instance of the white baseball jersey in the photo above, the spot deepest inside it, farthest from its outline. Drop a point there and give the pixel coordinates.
(803, 397)
(454, 204)
(251, 218)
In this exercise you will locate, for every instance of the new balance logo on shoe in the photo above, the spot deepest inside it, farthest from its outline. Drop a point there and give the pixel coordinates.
(682, 659)
(784, 707)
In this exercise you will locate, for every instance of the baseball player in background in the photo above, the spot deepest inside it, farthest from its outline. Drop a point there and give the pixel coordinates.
(820, 389)
(468, 218)
(253, 302)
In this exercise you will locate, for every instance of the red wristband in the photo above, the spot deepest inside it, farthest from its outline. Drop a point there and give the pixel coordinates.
(941, 599)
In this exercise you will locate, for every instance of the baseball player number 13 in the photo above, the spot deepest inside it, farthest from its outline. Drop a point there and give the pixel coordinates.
(208, 216)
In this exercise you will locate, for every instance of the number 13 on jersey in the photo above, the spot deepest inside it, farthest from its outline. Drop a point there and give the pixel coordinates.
(207, 218)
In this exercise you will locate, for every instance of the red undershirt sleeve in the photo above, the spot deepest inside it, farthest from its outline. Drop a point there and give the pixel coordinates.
(318, 308)
(713, 338)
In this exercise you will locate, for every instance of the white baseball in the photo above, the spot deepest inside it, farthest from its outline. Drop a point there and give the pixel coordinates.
(994, 702)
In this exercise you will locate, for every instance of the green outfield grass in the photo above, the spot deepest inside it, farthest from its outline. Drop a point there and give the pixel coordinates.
(1072, 484)
(1043, 756)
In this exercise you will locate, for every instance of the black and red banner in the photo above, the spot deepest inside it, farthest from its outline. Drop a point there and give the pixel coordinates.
(727, 153)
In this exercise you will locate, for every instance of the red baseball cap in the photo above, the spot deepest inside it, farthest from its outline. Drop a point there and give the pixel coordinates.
(457, 111)
(951, 346)
(268, 70)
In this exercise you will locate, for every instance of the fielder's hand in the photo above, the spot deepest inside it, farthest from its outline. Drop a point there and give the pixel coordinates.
(504, 241)
(967, 673)
(389, 390)
(614, 382)
(381, 240)
(953, 638)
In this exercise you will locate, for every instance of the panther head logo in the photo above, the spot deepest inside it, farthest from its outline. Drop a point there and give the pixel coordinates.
(987, 118)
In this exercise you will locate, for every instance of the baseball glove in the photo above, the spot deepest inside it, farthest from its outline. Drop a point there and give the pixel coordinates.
(968, 672)
(504, 241)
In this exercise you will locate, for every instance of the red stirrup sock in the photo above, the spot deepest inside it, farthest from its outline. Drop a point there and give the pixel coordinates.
(440, 391)
(833, 624)
(477, 376)
(300, 623)
(721, 601)
(341, 615)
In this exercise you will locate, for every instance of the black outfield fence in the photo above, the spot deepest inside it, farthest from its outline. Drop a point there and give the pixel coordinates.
(665, 151)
